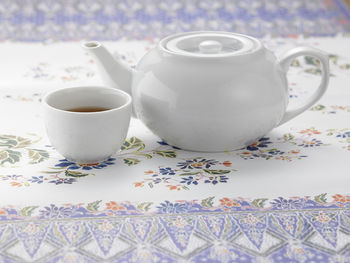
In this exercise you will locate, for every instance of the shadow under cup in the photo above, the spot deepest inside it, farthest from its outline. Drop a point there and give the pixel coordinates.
(87, 137)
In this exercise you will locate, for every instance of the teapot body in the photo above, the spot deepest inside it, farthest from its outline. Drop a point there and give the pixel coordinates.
(209, 90)
(210, 104)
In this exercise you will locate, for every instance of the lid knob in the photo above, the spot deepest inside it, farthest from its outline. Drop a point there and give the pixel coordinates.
(210, 47)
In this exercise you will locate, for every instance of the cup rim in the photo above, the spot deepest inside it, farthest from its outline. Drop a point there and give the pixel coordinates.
(126, 104)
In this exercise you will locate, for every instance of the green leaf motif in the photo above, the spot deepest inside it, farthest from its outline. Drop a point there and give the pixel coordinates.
(185, 187)
(37, 155)
(312, 61)
(148, 156)
(321, 199)
(194, 173)
(295, 63)
(145, 206)
(94, 206)
(133, 143)
(313, 71)
(331, 132)
(8, 141)
(12, 141)
(53, 172)
(170, 154)
(28, 210)
(345, 66)
(334, 58)
(260, 202)
(9, 156)
(288, 137)
(76, 174)
(131, 161)
(209, 171)
(318, 107)
(208, 202)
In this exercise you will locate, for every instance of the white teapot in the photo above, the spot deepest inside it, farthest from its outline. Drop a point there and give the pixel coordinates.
(209, 91)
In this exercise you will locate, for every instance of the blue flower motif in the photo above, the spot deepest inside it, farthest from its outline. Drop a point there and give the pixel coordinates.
(63, 181)
(11, 177)
(74, 166)
(66, 163)
(56, 212)
(157, 181)
(172, 208)
(312, 143)
(37, 179)
(261, 143)
(275, 152)
(165, 144)
(285, 204)
(216, 179)
(197, 163)
(189, 180)
(344, 135)
(167, 170)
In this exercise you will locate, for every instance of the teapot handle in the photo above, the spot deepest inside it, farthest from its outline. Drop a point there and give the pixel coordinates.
(285, 61)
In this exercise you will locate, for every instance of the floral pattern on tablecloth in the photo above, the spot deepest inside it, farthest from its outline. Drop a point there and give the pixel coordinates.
(185, 172)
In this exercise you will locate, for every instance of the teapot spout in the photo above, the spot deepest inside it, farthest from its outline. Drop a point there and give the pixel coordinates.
(114, 73)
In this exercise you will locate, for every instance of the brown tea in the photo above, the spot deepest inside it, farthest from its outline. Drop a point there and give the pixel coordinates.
(88, 109)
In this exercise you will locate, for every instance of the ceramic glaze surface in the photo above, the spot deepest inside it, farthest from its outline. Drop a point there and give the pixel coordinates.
(213, 105)
(209, 91)
(87, 137)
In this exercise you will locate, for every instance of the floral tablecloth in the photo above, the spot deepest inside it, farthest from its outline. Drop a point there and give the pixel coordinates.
(282, 199)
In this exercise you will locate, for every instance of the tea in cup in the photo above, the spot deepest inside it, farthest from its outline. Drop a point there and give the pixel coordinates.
(87, 124)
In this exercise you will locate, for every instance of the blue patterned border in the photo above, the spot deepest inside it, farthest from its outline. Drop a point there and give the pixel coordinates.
(115, 19)
(236, 230)
(209, 205)
(344, 9)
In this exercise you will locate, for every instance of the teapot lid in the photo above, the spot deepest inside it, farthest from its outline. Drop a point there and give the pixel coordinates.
(210, 44)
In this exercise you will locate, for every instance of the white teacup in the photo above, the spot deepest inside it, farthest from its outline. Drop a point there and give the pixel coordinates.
(87, 137)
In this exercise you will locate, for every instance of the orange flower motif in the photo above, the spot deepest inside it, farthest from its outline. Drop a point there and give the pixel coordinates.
(310, 131)
(65, 78)
(16, 184)
(338, 107)
(174, 187)
(252, 220)
(283, 158)
(180, 222)
(323, 218)
(294, 151)
(149, 172)
(114, 206)
(227, 163)
(197, 164)
(88, 164)
(298, 250)
(3, 212)
(138, 184)
(254, 143)
(340, 198)
(228, 202)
